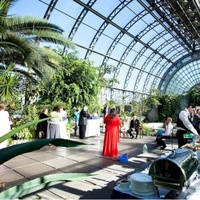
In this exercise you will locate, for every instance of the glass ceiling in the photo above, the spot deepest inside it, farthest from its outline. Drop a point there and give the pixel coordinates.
(128, 34)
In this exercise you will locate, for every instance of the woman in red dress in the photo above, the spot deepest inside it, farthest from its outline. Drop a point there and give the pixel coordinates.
(112, 134)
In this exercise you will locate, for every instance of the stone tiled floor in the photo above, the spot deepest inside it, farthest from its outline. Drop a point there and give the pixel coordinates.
(87, 159)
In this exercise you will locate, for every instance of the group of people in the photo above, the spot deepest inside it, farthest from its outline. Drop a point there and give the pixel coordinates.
(185, 123)
(129, 127)
(55, 127)
(188, 122)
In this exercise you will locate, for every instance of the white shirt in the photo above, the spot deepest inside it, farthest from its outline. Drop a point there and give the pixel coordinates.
(4, 122)
(183, 115)
(4, 126)
(168, 129)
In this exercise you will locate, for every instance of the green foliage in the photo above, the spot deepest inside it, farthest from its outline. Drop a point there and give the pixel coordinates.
(9, 84)
(111, 104)
(137, 108)
(169, 107)
(104, 70)
(22, 135)
(69, 126)
(76, 85)
(146, 130)
(153, 98)
(194, 95)
(20, 42)
(30, 113)
(25, 134)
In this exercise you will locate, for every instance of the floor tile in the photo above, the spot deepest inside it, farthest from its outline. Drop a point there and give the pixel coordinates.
(34, 170)
(23, 161)
(82, 159)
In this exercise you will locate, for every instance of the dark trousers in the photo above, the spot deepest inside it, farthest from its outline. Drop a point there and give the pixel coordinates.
(137, 132)
(131, 133)
(82, 129)
(160, 141)
(181, 141)
(75, 128)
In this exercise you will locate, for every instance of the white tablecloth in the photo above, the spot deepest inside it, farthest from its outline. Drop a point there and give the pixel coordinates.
(92, 128)
(63, 130)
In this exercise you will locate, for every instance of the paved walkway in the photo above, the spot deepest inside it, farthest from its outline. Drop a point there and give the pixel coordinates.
(84, 159)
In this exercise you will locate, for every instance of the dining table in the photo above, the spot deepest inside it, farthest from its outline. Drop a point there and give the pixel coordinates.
(93, 127)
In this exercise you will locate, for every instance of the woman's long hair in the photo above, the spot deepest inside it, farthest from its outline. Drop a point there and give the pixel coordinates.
(112, 113)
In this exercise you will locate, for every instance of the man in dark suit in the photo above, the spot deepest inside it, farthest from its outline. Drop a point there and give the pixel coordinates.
(83, 122)
(134, 126)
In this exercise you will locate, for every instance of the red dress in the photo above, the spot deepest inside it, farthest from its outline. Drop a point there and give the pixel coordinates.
(112, 135)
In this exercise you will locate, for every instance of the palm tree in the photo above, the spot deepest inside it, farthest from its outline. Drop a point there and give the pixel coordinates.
(19, 43)
(9, 83)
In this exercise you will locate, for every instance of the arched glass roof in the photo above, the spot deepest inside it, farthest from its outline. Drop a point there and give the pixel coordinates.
(148, 41)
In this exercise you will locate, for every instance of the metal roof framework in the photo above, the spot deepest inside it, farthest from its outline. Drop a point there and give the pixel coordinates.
(148, 41)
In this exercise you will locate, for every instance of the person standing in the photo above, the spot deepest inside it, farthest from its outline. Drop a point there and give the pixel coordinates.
(184, 125)
(42, 126)
(83, 122)
(196, 121)
(106, 111)
(54, 123)
(112, 134)
(76, 118)
(134, 126)
(4, 124)
(63, 123)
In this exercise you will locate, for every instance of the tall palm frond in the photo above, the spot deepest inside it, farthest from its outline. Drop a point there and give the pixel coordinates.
(41, 60)
(5, 5)
(19, 39)
(32, 28)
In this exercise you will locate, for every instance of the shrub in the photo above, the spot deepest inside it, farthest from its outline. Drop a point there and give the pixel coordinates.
(147, 131)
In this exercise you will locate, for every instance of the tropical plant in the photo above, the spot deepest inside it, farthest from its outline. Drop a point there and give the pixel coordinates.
(9, 85)
(153, 99)
(194, 95)
(19, 43)
(105, 70)
(169, 107)
(76, 84)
